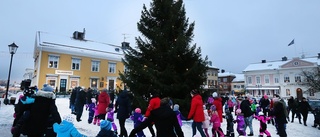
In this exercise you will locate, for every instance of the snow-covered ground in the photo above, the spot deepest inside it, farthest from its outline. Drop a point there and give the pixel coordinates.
(293, 129)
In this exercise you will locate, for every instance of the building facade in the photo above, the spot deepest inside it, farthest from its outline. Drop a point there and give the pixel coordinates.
(283, 77)
(212, 79)
(66, 62)
(225, 82)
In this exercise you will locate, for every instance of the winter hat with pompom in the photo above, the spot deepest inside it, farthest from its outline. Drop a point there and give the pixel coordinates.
(238, 111)
(260, 113)
(48, 88)
(105, 124)
(213, 108)
(176, 107)
(214, 94)
(68, 118)
(93, 100)
(137, 110)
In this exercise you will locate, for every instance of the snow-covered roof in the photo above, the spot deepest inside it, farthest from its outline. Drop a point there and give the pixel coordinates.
(226, 74)
(67, 44)
(239, 77)
(271, 65)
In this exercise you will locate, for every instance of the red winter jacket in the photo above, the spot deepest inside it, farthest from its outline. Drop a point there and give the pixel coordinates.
(153, 104)
(218, 103)
(196, 110)
(103, 101)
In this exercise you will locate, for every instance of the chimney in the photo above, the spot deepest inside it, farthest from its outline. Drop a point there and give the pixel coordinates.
(318, 55)
(124, 45)
(79, 35)
(263, 61)
(222, 70)
(284, 58)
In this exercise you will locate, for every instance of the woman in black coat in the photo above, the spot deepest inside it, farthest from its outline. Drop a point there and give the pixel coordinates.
(123, 110)
(304, 108)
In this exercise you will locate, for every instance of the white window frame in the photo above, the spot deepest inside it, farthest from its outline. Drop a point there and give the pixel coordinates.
(266, 79)
(53, 61)
(95, 65)
(258, 79)
(249, 80)
(297, 78)
(94, 80)
(74, 62)
(286, 78)
(276, 79)
(112, 66)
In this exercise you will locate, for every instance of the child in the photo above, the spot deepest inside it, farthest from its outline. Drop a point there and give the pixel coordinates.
(206, 122)
(316, 113)
(230, 120)
(91, 110)
(258, 110)
(180, 117)
(215, 120)
(241, 124)
(263, 124)
(66, 128)
(96, 119)
(137, 119)
(105, 129)
(110, 117)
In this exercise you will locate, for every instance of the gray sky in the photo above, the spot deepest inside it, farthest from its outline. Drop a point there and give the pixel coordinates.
(232, 34)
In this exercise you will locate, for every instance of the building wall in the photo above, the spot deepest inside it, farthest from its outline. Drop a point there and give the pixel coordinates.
(82, 77)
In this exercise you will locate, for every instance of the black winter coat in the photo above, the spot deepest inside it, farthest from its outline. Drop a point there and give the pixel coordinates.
(279, 112)
(43, 113)
(245, 108)
(165, 120)
(123, 106)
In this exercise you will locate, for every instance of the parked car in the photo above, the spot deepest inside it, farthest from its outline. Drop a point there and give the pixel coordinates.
(314, 103)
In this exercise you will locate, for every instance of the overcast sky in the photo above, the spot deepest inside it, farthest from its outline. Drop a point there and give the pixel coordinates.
(231, 33)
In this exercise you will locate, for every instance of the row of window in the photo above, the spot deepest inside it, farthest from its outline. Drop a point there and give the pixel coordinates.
(286, 79)
(53, 62)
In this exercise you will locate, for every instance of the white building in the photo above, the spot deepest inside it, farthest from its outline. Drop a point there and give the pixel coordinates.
(283, 77)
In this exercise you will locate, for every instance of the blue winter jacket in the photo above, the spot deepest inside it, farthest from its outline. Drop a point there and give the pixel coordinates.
(66, 129)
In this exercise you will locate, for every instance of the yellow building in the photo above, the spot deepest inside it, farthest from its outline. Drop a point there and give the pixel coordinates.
(65, 62)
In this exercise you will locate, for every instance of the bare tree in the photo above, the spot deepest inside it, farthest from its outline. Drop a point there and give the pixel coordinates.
(312, 80)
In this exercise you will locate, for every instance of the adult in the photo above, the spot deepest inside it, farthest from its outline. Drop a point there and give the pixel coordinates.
(304, 109)
(279, 112)
(292, 106)
(103, 103)
(218, 103)
(247, 113)
(265, 104)
(89, 95)
(123, 109)
(154, 103)
(165, 120)
(79, 103)
(196, 112)
(39, 116)
(73, 100)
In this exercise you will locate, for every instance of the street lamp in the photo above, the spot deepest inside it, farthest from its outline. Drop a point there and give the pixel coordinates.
(12, 50)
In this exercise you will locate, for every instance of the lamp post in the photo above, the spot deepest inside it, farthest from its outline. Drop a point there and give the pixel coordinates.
(12, 50)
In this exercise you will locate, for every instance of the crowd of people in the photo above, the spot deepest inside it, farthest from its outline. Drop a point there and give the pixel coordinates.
(36, 114)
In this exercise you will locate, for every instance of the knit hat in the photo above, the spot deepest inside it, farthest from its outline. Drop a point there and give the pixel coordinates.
(265, 96)
(68, 118)
(260, 113)
(93, 100)
(176, 107)
(238, 111)
(214, 94)
(137, 110)
(193, 92)
(48, 88)
(28, 92)
(105, 124)
(213, 108)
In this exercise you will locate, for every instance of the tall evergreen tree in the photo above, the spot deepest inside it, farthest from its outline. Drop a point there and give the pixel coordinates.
(163, 59)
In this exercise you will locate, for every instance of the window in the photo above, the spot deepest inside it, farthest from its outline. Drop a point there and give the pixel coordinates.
(287, 92)
(266, 79)
(74, 82)
(258, 79)
(276, 79)
(225, 79)
(234, 86)
(112, 67)
(75, 64)
(95, 66)
(53, 61)
(242, 86)
(286, 78)
(94, 83)
(249, 80)
(225, 87)
(297, 78)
